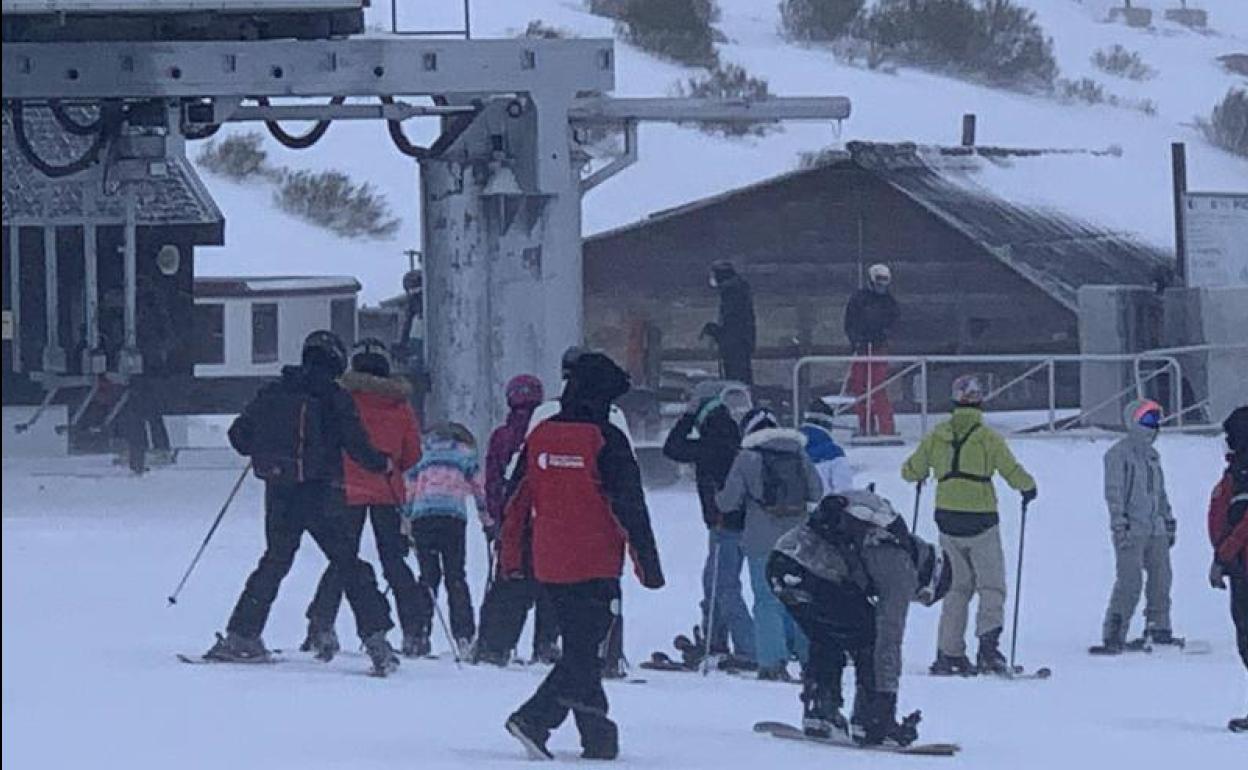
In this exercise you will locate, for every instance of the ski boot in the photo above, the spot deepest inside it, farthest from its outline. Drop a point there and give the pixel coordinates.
(464, 646)
(416, 645)
(875, 722)
(236, 648)
(1162, 636)
(821, 713)
(545, 653)
(734, 663)
(989, 659)
(615, 669)
(532, 737)
(951, 665)
(603, 741)
(385, 661)
(1115, 639)
(162, 457)
(1238, 725)
(774, 673)
(482, 654)
(324, 644)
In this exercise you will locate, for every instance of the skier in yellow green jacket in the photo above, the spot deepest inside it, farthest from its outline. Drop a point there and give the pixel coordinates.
(963, 454)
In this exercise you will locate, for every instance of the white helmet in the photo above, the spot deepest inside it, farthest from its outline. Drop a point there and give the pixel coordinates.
(880, 274)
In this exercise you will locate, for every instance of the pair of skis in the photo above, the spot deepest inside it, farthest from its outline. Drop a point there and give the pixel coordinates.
(1146, 645)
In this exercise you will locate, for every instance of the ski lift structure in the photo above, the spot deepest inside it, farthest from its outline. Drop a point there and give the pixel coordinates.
(501, 186)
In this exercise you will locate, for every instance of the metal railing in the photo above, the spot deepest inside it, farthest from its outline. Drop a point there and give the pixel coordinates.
(1167, 358)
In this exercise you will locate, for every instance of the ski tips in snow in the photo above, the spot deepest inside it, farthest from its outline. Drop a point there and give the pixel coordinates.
(789, 732)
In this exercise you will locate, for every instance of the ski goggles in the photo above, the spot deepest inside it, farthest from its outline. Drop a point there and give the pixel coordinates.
(1148, 414)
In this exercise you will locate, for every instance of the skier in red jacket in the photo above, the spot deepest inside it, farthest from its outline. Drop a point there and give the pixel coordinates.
(578, 473)
(1228, 531)
(391, 425)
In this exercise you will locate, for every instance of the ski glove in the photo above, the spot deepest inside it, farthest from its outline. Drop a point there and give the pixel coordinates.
(1030, 494)
(1172, 528)
(1217, 576)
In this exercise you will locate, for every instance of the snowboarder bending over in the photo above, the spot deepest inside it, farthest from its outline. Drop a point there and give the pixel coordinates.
(734, 333)
(382, 401)
(579, 501)
(1228, 530)
(1142, 529)
(295, 431)
(963, 453)
(847, 576)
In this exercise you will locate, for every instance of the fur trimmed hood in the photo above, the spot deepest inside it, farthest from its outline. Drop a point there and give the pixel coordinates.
(393, 387)
(774, 438)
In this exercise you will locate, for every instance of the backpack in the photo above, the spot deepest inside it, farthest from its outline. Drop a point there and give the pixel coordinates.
(955, 465)
(784, 483)
(291, 427)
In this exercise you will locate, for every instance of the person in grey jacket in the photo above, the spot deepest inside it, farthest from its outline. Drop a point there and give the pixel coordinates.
(1143, 530)
(847, 576)
(772, 481)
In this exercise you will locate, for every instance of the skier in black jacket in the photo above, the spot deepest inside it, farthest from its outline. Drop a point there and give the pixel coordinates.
(708, 436)
(295, 432)
(869, 319)
(734, 333)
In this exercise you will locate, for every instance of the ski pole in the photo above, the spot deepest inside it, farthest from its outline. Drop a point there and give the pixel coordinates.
(710, 611)
(442, 621)
(918, 495)
(1018, 585)
(173, 597)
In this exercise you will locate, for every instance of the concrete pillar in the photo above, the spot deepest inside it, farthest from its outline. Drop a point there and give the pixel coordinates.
(503, 274)
(53, 353)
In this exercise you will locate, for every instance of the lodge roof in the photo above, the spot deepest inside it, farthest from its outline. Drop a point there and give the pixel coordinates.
(1053, 249)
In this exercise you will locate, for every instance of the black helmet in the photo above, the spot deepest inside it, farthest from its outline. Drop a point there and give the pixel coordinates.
(1236, 427)
(371, 357)
(570, 357)
(325, 348)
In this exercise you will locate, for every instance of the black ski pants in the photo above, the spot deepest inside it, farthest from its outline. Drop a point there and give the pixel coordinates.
(838, 621)
(1239, 614)
(586, 613)
(504, 609)
(289, 511)
(439, 543)
(391, 551)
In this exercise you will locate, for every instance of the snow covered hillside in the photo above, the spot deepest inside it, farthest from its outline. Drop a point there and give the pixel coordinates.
(1130, 192)
(90, 680)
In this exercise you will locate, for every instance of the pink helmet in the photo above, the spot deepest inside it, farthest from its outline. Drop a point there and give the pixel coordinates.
(524, 390)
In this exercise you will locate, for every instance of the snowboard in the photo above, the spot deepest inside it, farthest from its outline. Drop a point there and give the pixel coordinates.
(200, 660)
(789, 732)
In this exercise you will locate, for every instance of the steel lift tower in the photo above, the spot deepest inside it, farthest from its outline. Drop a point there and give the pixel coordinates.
(501, 186)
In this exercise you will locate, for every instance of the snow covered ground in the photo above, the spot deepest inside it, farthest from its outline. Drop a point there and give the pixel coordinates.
(90, 680)
(1130, 192)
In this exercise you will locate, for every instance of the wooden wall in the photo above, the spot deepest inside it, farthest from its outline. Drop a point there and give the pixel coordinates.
(801, 242)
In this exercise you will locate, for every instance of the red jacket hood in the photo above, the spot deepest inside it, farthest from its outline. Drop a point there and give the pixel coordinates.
(392, 427)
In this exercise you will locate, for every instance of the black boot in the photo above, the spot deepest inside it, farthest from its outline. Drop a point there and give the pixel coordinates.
(385, 660)
(325, 644)
(416, 645)
(603, 742)
(546, 653)
(821, 711)
(875, 723)
(236, 648)
(1238, 725)
(1115, 638)
(951, 665)
(989, 659)
(533, 738)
